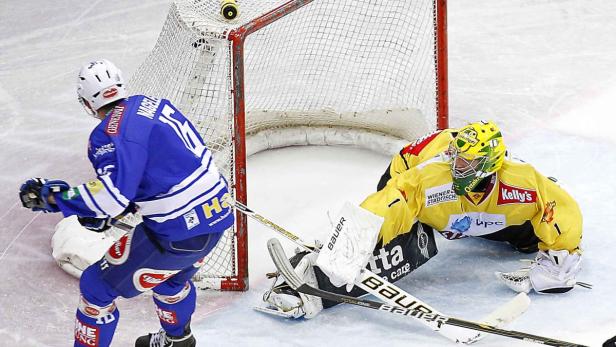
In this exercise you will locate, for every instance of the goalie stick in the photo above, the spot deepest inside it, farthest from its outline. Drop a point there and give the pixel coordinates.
(397, 297)
(284, 266)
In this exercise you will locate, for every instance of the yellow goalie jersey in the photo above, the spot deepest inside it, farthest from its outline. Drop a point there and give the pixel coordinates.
(420, 150)
(516, 194)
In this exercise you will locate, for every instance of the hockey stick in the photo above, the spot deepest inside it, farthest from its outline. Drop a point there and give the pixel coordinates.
(397, 297)
(284, 266)
(121, 225)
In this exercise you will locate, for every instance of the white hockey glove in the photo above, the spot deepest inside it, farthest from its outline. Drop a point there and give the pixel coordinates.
(550, 272)
(282, 300)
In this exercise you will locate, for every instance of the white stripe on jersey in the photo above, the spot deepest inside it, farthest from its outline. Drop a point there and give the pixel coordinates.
(166, 204)
(437, 158)
(114, 191)
(85, 195)
(205, 165)
(106, 201)
(220, 186)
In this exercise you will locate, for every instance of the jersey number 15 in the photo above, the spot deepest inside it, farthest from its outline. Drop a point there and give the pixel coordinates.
(185, 132)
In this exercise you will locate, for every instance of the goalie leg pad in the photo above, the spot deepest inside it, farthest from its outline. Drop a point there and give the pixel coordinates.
(393, 261)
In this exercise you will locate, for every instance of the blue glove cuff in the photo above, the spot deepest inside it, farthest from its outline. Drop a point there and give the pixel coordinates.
(49, 188)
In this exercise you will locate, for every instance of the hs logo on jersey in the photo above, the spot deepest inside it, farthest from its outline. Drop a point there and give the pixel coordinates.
(215, 206)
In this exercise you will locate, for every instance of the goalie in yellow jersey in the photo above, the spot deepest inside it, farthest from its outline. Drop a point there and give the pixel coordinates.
(461, 183)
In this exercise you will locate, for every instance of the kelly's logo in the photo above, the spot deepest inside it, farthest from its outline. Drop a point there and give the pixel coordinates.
(514, 195)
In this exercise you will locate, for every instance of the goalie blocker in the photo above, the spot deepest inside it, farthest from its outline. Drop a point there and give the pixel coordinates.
(392, 261)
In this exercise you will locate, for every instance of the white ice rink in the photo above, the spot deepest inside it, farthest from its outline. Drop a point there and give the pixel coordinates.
(545, 70)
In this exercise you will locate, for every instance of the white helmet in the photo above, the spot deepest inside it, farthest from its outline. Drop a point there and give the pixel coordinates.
(100, 83)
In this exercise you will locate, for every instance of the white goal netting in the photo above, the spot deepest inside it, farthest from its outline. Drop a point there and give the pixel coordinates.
(359, 72)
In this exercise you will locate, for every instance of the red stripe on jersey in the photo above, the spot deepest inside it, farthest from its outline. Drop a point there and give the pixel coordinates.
(415, 147)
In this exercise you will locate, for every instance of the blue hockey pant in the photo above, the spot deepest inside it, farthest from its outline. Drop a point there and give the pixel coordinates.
(135, 264)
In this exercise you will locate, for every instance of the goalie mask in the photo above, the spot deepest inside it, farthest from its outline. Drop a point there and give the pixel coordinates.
(99, 83)
(476, 152)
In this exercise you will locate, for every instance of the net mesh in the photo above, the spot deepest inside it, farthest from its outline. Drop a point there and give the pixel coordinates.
(348, 65)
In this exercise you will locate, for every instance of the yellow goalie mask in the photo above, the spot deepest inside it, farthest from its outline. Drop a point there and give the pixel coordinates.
(476, 152)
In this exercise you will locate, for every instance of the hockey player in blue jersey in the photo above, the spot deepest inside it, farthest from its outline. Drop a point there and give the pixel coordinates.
(147, 157)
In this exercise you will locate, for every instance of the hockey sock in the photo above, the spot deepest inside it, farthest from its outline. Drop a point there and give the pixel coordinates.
(97, 314)
(175, 306)
(95, 325)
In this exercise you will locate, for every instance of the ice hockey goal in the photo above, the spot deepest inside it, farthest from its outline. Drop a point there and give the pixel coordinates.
(365, 72)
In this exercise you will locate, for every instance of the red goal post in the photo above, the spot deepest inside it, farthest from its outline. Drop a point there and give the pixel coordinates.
(288, 72)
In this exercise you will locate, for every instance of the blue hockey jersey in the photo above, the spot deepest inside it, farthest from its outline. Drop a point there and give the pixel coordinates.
(147, 153)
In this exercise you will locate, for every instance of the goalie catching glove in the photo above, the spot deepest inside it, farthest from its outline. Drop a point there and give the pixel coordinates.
(550, 272)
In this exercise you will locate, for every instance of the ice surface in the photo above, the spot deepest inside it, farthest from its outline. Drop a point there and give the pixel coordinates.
(544, 69)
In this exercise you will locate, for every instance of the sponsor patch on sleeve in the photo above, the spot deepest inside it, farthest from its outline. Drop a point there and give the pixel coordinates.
(95, 186)
(548, 212)
(70, 194)
(104, 149)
